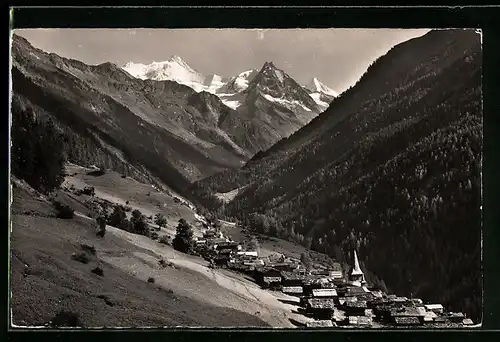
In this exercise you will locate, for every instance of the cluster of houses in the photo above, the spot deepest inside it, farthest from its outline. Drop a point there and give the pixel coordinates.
(327, 295)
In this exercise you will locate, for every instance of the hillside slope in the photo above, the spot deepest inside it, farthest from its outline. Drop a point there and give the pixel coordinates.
(45, 280)
(391, 168)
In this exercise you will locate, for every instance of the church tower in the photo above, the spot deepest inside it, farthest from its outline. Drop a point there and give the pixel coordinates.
(357, 276)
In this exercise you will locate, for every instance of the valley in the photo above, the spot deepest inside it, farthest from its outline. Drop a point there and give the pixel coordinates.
(190, 190)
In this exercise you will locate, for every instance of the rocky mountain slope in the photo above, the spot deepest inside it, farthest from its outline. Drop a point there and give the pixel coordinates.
(268, 104)
(272, 107)
(391, 168)
(143, 122)
(162, 128)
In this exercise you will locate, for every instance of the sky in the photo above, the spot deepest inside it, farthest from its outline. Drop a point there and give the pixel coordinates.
(337, 57)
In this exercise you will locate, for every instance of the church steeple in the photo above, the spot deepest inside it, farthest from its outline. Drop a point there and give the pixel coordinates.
(357, 276)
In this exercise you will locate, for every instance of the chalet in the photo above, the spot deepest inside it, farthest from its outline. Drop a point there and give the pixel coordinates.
(383, 312)
(283, 266)
(255, 263)
(267, 277)
(324, 293)
(408, 316)
(312, 284)
(247, 254)
(376, 302)
(339, 316)
(416, 301)
(292, 278)
(320, 308)
(439, 319)
(429, 316)
(336, 274)
(359, 320)
(209, 234)
(215, 242)
(407, 312)
(224, 251)
(467, 321)
(292, 290)
(324, 323)
(354, 291)
(355, 308)
(405, 321)
(437, 308)
(455, 317)
(402, 300)
(235, 246)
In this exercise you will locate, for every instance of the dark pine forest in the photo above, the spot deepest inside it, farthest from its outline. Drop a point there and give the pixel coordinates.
(391, 168)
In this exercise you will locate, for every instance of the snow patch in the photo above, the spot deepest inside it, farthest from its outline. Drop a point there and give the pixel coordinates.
(317, 98)
(231, 104)
(286, 103)
(316, 85)
(279, 75)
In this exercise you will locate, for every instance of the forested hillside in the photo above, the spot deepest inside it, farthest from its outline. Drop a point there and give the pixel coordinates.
(391, 168)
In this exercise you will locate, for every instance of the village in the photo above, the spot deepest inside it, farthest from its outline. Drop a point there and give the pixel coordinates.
(330, 296)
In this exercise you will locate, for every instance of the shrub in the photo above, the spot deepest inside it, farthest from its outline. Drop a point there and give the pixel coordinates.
(163, 263)
(98, 271)
(183, 240)
(160, 220)
(64, 211)
(165, 239)
(151, 280)
(89, 191)
(81, 257)
(154, 235)
(87, 248)
(118, 218)
(66, 319)
(101, 221)
(138, 223)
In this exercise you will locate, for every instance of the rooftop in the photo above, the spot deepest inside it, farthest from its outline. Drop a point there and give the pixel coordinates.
(320, 323)
(292, 289)
(317, 303)
(324, 292)
(406, 320)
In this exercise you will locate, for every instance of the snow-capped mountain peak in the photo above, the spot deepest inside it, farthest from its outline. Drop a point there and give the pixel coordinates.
(173, 69)
(240, 82)
(316, 86)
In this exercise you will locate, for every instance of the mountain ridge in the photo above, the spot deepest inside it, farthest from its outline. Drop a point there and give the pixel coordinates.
(401, 146)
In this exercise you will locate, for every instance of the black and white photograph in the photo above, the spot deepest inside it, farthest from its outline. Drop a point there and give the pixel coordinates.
(246, 178)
